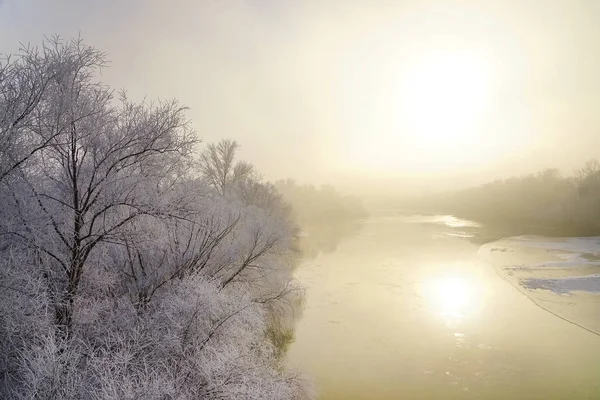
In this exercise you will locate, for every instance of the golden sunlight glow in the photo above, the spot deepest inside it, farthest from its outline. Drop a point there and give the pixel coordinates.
(451, 296)
(430, 116)
(444, 98)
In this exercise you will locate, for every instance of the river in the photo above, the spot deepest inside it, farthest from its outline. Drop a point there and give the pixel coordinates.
(404, 308)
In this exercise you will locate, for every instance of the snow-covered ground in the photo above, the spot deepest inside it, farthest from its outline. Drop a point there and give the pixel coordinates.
(561, 275)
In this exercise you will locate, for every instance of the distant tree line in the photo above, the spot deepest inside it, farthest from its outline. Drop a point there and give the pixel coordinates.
(129, 267)
(319, 205)
(546, 200)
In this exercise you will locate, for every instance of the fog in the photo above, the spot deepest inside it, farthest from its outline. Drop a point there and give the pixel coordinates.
(356, 93)
(299, 199)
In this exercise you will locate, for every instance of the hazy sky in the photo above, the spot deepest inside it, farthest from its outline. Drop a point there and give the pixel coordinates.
(408, 94)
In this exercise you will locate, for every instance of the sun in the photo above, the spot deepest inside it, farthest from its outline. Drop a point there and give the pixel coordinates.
(425, 113)
(443, 100)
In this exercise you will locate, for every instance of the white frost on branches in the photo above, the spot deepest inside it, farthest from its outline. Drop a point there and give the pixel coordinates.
(129, 270)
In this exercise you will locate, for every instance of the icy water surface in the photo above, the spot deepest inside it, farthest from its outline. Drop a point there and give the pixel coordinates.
(405, 308)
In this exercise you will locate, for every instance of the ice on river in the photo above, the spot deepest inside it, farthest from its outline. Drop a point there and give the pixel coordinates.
(561, 275)
(587, 283)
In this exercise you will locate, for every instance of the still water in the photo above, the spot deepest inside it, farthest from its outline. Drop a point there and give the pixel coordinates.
(405, 309)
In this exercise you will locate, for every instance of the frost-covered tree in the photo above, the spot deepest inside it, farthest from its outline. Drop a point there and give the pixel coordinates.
(122, 275)
(104, 166)
(219, 167)
(24, 81)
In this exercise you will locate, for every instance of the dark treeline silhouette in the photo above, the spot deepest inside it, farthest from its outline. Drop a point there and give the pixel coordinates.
(545, 202)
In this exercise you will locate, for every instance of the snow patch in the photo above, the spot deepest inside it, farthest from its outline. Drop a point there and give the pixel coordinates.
(538, 262)
(587, 283)
(560, 275)
(568, 244)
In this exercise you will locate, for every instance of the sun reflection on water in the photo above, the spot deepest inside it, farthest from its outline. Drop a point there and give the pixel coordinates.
(453, 297)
